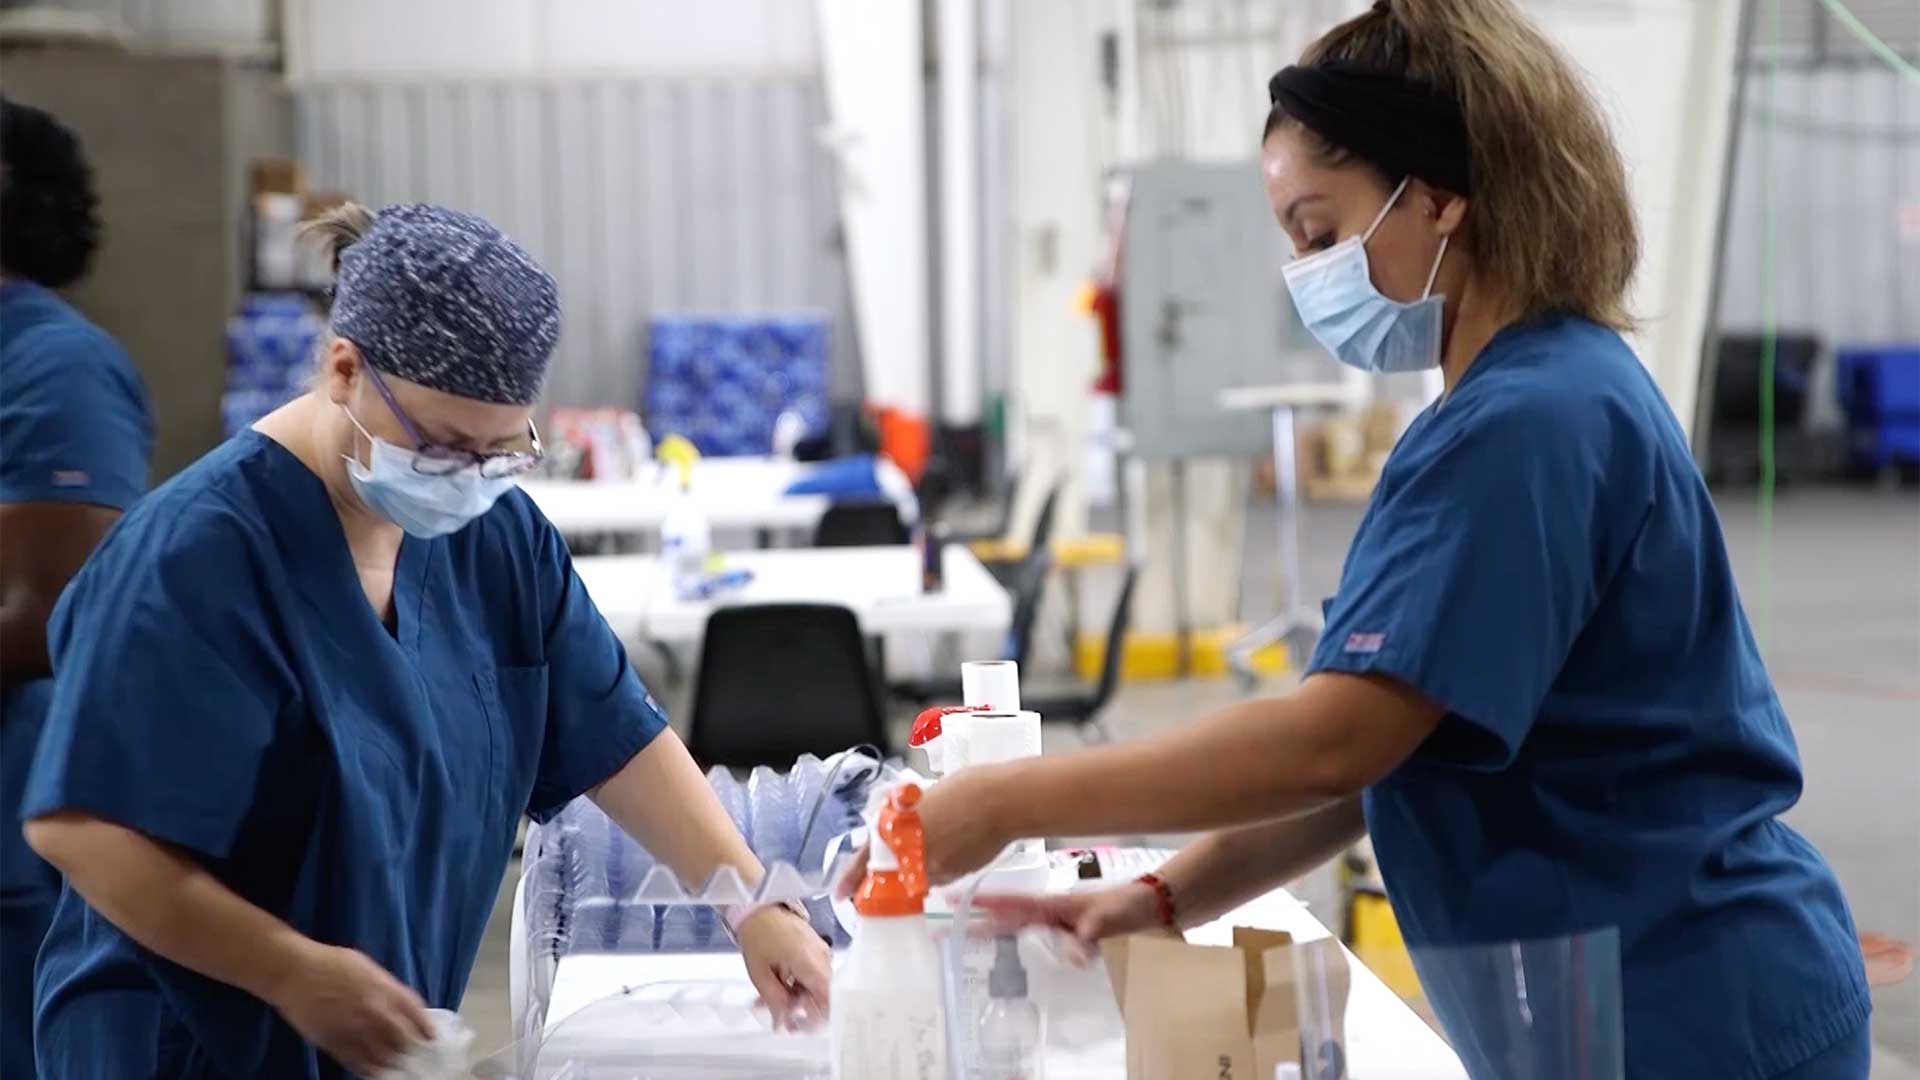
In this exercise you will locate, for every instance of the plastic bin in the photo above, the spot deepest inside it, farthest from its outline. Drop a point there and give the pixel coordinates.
(1879, 389)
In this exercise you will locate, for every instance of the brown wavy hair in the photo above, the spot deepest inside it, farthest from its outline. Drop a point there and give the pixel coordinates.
(1551, 218)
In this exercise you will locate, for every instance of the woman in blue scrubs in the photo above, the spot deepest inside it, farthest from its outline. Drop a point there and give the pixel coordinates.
(1536, 688)
(75, 439)
(306, 689)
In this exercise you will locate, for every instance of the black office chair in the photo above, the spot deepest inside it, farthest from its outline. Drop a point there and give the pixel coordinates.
(1084, 711)
(1029, 586)
(780, 680)
(1007, 571)
(861, 524)
(1003, 521)
(848, 432)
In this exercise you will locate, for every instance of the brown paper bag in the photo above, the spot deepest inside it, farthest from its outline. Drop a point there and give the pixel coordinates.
(1198, 1011)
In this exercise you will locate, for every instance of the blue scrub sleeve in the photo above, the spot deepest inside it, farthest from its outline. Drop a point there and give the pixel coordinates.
(1473, 575)
(599, 714)
(74, 426)
(169, 689)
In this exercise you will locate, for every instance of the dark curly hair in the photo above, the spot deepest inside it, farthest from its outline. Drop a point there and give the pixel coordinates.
(48, 228)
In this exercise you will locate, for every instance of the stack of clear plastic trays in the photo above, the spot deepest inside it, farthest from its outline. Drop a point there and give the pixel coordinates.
(589, 888)
(694, 1030)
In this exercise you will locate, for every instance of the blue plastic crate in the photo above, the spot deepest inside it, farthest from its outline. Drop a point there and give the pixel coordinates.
(1879, 384)
(1889, 442)
(271, 343)
(722, 381)
(1879, 390)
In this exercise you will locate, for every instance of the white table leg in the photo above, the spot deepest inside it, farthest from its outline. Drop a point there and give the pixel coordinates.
(1295, 614)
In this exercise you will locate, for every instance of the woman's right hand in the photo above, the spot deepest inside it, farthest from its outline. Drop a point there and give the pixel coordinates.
(1085, 918)
(349, 1007)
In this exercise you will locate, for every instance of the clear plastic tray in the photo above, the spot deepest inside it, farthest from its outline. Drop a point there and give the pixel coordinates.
(694, 1030)
(784, 881)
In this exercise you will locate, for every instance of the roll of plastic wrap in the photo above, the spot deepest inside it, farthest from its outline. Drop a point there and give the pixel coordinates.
(992, 684)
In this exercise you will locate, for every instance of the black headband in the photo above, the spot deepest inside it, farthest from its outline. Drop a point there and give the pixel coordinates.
(1402, 127)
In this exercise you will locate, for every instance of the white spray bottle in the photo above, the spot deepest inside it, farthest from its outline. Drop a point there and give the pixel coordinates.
(889, 1017)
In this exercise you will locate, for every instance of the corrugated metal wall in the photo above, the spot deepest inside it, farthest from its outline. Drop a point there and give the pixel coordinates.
(640, 194)
(1832, 156)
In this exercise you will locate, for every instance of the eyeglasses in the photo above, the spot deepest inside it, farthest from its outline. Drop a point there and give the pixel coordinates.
(432, 459)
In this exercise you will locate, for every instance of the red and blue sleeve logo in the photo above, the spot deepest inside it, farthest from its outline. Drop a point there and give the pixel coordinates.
(1365, 643)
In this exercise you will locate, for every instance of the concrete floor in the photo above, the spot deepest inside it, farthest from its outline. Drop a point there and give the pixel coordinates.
(1839, 617)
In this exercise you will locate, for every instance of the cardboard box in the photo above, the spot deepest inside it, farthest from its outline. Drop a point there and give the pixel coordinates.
(1219, 1013)
(278, 176)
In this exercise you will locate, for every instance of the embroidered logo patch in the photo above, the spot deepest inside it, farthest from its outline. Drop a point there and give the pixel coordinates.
(1365, 643)
(70, 478)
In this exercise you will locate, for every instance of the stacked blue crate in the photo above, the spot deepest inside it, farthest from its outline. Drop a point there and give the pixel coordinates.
(722, 381)
(1880, 391)
(270, 347)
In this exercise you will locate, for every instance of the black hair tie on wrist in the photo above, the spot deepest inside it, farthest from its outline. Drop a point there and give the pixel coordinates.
(1400, 126)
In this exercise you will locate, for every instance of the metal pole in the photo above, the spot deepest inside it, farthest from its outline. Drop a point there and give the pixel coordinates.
(1709, 354)
(1182, 613)
(1286, 485)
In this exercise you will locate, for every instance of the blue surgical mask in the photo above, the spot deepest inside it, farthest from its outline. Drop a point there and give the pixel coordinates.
(424, 506)
(1334, 292)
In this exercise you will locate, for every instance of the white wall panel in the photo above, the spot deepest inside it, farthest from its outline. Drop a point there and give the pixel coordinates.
(388, 39)
(1831, 157)
(640, 195)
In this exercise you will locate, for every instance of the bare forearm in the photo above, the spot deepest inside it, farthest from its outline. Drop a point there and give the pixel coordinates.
(45, 545)
(661, 799)
(169, 903)
(23, 639)
(1250, 762)
(1222, 870)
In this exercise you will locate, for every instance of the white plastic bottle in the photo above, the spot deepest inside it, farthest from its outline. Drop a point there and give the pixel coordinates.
(686, 537)
(1010, 1039)
(889, 1022)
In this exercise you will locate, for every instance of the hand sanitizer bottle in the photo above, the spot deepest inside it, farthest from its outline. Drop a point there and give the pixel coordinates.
(1011, 1038)
(686, 537)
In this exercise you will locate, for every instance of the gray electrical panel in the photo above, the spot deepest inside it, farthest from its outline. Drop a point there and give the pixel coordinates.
(1203, 309)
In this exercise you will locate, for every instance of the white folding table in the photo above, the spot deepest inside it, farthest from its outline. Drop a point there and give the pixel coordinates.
(1385, 1040)
(881, 585)
(736, 493)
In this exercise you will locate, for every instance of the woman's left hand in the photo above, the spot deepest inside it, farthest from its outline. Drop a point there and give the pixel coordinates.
(790, 966)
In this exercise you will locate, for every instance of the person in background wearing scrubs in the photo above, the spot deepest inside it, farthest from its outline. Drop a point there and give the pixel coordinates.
(75, 442)
(308, 687)
(1536, 686)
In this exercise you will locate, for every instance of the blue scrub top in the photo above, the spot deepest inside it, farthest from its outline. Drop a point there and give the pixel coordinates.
(223, 685)
(1541, 558)
(74, 428)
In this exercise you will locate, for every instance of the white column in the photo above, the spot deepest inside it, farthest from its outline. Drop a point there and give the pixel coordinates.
(873, 60)
(961, 380)
(1056, 242)
(1665, 73)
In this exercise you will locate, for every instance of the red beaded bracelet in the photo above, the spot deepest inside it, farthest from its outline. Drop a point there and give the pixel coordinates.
(1162, 894)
